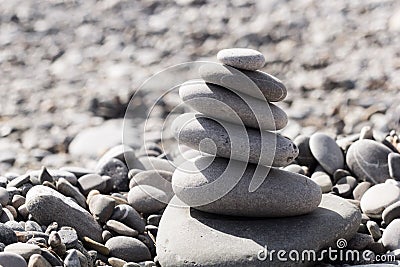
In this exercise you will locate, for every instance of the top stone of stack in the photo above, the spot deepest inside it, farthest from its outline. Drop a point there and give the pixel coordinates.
(242, 58)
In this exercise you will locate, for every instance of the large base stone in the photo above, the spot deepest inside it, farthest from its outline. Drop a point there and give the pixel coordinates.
(188, 237)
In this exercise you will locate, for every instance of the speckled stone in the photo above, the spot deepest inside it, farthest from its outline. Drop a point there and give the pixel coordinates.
(336, 218)
(220, 103)
(242, 58)
(231, 141)
(257, 84)
(368, 160)
(218, 189)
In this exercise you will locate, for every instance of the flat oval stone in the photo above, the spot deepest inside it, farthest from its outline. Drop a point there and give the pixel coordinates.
(230, 141)
(221, 103)
(128, 249)
(67, 189)
(121, 228)
(47, 205)
(281, 194)
(335, 218)
(368, 160)
(242, 58)
(156, 178)
(90, 182)
(23, 249)
(147, 199)
(360, 190)
(8, 259)
(377, 198)
(394, 165)
(326, 152)
(257, 84)
(391, 235)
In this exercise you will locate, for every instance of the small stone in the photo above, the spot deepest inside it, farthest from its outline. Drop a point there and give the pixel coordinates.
(360, 190)
(377, 198)
(68, 236)
(90, 243)
(326, 152)
(391, 212)
(121, 228)
(56, 174)
(47, 205)
(20, 180)
(51, 257)
(7, 235)
(366, 133)
(72, 259)
(17, 201)
(118, 171)
(23, 249)
(129, 216)
(32, 226)
(4, 196)
(122, 152)
(391, 235)
(67, 189)
(115, 262)
(147, 199)
(305, 157)
(374, 230)
(256, 84)
(368, 160)
(16, 226)
(394, 165)
(295, 168)
(193, 129)
(44, 175)
(344, 187)
(154, 219)
(90, 182)
(340, 173)
(242, 58)
(128, 249)
(323, 180)
(37, 260)
(8, 259)
(222, 104)
(106, 235)
(101, 207)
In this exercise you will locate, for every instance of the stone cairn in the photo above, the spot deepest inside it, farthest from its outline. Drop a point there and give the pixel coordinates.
(225, 219)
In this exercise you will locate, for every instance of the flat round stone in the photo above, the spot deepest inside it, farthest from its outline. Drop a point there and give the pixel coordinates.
(220, 188)
(221, 103)
(257, 84)
(326, 152)
(128, 249)
(242, 58)
(377, 198)
(232, 141)
(368, 160)
(335, 218)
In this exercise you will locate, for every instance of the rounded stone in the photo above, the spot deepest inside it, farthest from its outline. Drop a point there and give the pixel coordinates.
(90, 182)
(345, 186)
(121, 228)
(323, 180)
(122, 152)
(128, 249)
(257, 84)
(152, 163)
(360, 190)
(242, 58)
(156, 178)
(216, 188)
(101, 207)
(232, 141)
(368, 160)
(23, 249)
(47, 205)
(118, 171)
(394, 165)
(335, 218)
(326, 152)
(8, 259)
(7, 235)
(37, 260)
(391, 212)
(377, 198)
(305, 157)
(129, 216)
(374, 230)
(220, 103)
(4, 196)
(72, 259)
(68, 236)
(147, 199)
(391, 235)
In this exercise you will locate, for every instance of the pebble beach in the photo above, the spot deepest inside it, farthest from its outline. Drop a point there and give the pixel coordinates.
(286, 137)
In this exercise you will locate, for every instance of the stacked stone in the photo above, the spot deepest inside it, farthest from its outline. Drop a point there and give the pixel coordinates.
(219, 199)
